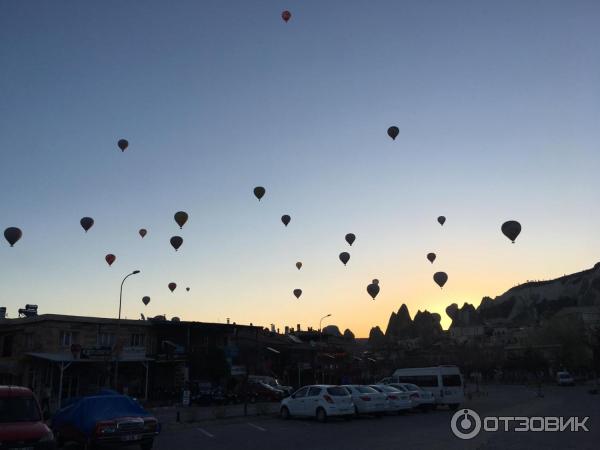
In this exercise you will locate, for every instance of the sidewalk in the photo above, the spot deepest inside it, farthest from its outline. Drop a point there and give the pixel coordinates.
(190, 415)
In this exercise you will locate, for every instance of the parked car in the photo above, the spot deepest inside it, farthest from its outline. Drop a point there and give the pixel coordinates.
(397, 401)
(319, 401)
(367, 400)
(105, 420)
(258, 391)
(564, 378)
(420, 398)
(271, 381)
(21, 421)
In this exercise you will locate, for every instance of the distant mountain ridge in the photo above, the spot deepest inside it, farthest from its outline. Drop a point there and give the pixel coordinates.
(528, 303)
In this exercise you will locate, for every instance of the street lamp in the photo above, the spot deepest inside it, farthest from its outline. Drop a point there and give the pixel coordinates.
(135, 272)
(324, 317)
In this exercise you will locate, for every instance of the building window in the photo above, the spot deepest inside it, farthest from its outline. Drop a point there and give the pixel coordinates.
(105, 339)
(28, 341)
(7, 346)
(138, 340)
(65, 339)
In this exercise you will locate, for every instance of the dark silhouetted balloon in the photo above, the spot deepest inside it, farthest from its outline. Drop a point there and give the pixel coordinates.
(259, 192)
(110, 259)
(440, 278)
(86, 223)
(172, 286)
(393, 132)
(431, 257)
(297, 292)
(441, 220)
(181, 218)
(12, 235)
(286, 15)
(373, 290)
(187, 289)
(123, 144)
(176, 242)
(345, 257)
(511, 229)
(146, 300)
(143, 232)
(350, 238)
(286, 219)
(299, 265)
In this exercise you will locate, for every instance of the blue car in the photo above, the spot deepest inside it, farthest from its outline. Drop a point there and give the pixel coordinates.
(105, 421)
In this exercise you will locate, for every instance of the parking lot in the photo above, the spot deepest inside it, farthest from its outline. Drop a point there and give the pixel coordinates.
(412, 430)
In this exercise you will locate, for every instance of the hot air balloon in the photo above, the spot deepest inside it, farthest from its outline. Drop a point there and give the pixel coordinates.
(187, 289)
(373, 290)
(110, 258)
(146, 300)
(345, 257)
(181, 218)
(286, 15)
(12, 235)
(393, 132)
(297, 292)
(441, 220)
(123, 144)
(259, 192)
(350, 238)
(286, 219)
(176, 242)
(143, 232)
(299, 265)
(172, 286)
(440, 278)
(431, 257)
(86, 223)
(511, 229)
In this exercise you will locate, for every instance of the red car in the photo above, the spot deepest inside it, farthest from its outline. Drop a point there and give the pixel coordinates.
(21, 420)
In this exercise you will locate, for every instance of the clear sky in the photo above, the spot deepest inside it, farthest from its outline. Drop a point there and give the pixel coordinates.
(498, 105)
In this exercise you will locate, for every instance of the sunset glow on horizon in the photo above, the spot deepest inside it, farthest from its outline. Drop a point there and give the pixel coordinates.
(499, 120)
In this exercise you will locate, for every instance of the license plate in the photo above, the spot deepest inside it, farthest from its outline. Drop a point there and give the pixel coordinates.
(131, 437)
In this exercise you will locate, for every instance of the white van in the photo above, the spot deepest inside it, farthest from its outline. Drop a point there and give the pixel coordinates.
(444, 382)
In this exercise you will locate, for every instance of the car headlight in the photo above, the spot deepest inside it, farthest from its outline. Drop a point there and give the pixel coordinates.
(48, 437)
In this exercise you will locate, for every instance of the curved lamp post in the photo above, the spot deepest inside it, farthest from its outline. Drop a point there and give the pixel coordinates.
(135, 272)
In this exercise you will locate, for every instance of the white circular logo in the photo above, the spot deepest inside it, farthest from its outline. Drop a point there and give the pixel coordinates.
(465, 424)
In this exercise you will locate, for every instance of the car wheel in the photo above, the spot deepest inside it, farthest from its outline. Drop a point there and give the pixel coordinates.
(321, 415)
(284, 413)
(453, 406)
(147, 445)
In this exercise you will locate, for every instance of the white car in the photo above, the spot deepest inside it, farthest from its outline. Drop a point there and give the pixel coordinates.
(564, 379)
(367, 400)
(320, 401)
(420, 398)
(397, 401)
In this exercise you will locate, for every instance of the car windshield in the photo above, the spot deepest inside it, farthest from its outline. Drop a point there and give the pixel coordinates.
(337, 391)
(366, 390)
(389, 389)
(19, 409)
(412, 387)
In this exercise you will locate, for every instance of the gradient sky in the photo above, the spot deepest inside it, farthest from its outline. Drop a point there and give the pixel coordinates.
(498, 105)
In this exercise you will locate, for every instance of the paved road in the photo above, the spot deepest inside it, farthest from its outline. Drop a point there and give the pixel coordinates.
(414, 430)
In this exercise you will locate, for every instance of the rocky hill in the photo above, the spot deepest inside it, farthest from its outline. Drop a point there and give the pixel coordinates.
(531, 302)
